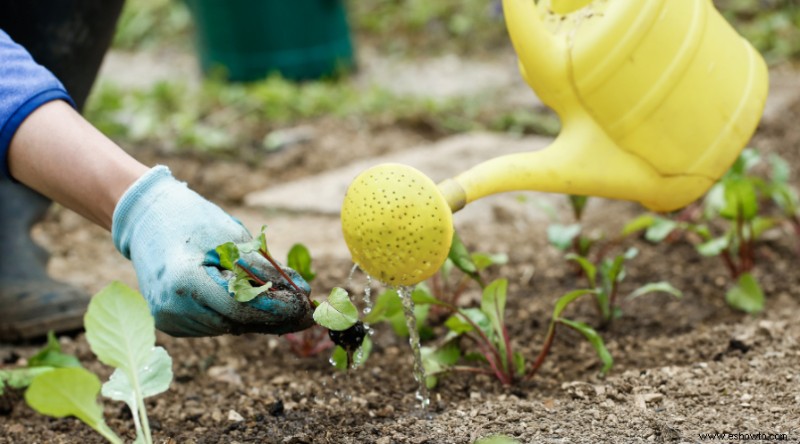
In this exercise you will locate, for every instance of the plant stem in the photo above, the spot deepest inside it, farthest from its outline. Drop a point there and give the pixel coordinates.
(284, 275)
(548, 343)
(251, 275)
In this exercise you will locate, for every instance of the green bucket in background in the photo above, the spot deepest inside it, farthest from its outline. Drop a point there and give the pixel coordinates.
(250, 39)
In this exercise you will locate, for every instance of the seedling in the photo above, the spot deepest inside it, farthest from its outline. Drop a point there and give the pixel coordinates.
(732, 220)
(605, 278)
(245, 285)
(121, 332)
(346, 330)
(48, 358)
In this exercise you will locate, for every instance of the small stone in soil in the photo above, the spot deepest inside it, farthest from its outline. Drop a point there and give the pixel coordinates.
(276, 409)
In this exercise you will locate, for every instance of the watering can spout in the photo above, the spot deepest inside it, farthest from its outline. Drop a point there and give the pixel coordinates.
(583, 160)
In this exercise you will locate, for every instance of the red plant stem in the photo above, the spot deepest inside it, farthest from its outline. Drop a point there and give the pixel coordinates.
(548, 343)
(509, 353)
(480, 332)
(283, 274)
(726, 258)
(252, 276)
(463, 368)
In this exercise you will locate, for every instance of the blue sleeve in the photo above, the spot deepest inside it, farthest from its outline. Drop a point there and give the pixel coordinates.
(24, 86)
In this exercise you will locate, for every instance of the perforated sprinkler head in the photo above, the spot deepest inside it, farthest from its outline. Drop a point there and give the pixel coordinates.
(397, 224)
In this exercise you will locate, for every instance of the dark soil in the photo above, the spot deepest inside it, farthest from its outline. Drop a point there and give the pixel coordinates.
(682, 366)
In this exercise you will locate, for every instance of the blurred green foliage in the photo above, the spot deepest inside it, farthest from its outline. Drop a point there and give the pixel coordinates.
(149, 23)
(773, 26)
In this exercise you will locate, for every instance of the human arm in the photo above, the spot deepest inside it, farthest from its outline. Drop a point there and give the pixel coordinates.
(166, 229)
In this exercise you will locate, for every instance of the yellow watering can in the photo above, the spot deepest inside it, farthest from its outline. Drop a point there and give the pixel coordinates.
(656, 98)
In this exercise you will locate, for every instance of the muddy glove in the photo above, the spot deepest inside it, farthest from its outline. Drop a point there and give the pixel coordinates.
(170, 232)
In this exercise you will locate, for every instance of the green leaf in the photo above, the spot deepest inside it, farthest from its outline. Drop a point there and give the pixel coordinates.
(244, 291)
(70, 392)
(781, 171)
(660, 229)
(299, 259)
(461, 258)
(228, 255)
(121, 332)
(594, 338)
(713, 247)
(51, 355)
(339, 355)
(337, 312)
(20, 377)
(740, 198)
(120, 328)
(640, 223)
(458, 324)
(421, 295)
(562, 236)
(567, 299)
(154, 378)
(387, 304)
(761, 224)
(746, 295)
(663, 286)
(483, 261)
(497, 439)
(588, 267)
(438, 360)
(519, 363)
(493, 303)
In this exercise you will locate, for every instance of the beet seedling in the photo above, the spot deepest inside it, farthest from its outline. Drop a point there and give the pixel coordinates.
(245, 285)
(340, 316)
(732, 221)
(604, 278)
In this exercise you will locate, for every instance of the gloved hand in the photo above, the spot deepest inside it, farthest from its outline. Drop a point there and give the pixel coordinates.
(170, 232)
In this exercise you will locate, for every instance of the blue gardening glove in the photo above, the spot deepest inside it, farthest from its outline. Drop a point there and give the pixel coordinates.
(170, 233)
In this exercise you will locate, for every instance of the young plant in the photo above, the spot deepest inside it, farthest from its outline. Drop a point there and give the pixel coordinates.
(121, 332)
(734, 216)
(485, 329)
(571, 237)
(340, 316)
(605, 278)
(245, 285)
(48, 358)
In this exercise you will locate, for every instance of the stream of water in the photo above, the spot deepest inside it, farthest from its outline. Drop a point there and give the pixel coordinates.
(413, 340)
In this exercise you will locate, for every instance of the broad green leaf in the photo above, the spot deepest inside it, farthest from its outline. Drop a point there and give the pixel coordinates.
(660, 229)
(740, 198)
(299, 259)
(567, 299)
(438, 360)
(663, 286)
(746, 295)
(20, 377)
(588, 267)
(360, 356)
(483, 261)
(461, 257)
(713, 247)
(243, 291)
(120, 328)
(714, 201)
(458, 324)
(493, 303)
(640, 223)
(497, 439)
(250, 247)
(562, 236)
(52, 356)
(154, 378)
(70, 392)
(228, 255)
(337, 312)
(594, 338)
(421, 295)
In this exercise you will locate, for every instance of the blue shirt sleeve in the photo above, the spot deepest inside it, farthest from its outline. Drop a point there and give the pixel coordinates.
(24, 86)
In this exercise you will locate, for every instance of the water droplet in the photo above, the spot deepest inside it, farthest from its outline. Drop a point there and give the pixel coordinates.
(413, 341)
